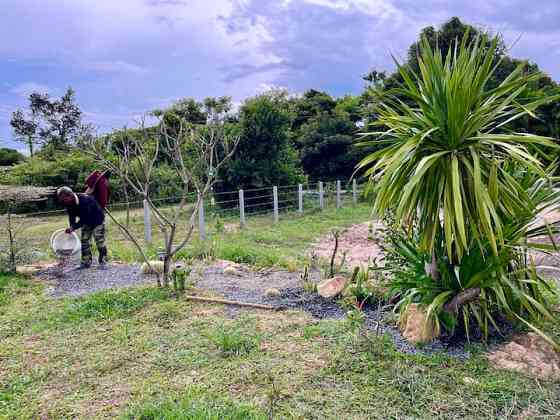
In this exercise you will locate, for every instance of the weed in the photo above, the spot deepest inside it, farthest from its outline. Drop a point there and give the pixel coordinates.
(219, 225)
(308, 285)
(233, 341)
(195, 405)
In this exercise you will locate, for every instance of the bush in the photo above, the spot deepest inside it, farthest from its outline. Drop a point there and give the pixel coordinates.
(484, 287)
(9, 157)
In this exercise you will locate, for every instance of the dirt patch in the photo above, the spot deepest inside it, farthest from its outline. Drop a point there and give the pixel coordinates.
(528, 354)
(357, 242)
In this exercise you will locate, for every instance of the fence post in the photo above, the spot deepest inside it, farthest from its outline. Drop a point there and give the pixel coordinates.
(241, 208)
(338, 192)
(275, 199)
(201, 224)
(354, 191)
(300, 198)
(321, 196)
(147, 223)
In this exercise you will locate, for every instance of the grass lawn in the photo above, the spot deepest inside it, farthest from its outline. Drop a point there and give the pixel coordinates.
(144, 353)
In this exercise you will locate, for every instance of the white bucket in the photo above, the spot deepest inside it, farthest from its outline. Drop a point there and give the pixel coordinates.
(65, 244)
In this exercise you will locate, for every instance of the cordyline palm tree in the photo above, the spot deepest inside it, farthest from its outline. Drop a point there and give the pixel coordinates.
(442, 168)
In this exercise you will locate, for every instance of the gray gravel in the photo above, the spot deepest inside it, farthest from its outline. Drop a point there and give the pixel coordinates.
(246, 286)
(76, 282)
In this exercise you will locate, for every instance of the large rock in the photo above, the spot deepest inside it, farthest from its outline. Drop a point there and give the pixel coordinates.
(331, 287)
(529, 354)
(415, 327)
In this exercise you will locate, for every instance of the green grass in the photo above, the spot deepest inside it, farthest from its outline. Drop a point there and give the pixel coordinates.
(235, 339)
(141, 353)
(145, 353)
(195, 405)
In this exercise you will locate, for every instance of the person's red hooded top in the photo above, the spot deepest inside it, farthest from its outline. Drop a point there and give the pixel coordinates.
(100, 186)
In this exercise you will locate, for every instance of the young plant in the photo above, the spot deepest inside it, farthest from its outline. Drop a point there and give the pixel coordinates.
(308, 285)
(196, 155)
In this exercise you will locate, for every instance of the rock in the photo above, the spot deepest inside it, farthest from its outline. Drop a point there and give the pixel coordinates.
(415, 327)
(331, 287)
(272, 292)
(27, 270)
(467, 380)
(529, 354)
(155, 267)
(232, 271)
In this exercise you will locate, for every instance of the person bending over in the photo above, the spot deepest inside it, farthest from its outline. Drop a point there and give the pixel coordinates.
(91, 222)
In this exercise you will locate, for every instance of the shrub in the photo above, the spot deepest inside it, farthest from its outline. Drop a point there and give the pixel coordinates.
(466, 189)
(483, 287)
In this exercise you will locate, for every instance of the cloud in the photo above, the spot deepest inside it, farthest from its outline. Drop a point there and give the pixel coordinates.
(117, 66)
(124, 57)
(23, 90)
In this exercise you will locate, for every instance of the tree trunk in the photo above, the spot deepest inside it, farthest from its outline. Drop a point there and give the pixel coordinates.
(462, 298)
(166, 266)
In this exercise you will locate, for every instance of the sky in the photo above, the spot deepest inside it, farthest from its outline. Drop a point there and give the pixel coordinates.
(127, 57)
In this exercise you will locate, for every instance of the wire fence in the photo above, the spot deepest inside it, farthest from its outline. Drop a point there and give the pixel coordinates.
(218, 208)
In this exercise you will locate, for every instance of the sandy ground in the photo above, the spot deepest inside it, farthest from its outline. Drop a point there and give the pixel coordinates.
(359, 246)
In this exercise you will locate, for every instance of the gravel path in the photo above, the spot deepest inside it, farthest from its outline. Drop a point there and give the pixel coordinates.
(76, 282)
(244, 285)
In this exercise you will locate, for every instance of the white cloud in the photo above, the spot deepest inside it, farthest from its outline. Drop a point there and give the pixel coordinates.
(23, 90)
(117, 66)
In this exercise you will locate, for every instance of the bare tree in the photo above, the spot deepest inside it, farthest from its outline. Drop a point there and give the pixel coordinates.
(196, 154)
(12, 250)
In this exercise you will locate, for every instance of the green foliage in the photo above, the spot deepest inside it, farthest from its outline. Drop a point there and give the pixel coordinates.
(360, 288)
(509, 283)
(69, 169)
(233, 340)
(264, 156)
(322, 130)
(109, 304)
(195, 405)
(10, 157)
(444, 152)
(469, 189)
(13, 285)
(54, 123)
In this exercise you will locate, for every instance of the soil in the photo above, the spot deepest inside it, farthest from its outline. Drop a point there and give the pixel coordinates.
(528, 354)
(356, 242)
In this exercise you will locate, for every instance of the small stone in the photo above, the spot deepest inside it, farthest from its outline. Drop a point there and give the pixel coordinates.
(272, 292)
(155, 267)
(467, 380)
(331, 287)
(415, 327)
(231, 271)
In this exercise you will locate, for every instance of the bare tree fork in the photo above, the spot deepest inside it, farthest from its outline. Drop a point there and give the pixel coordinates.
(196, 153)
(130, 236)
(462, 298)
